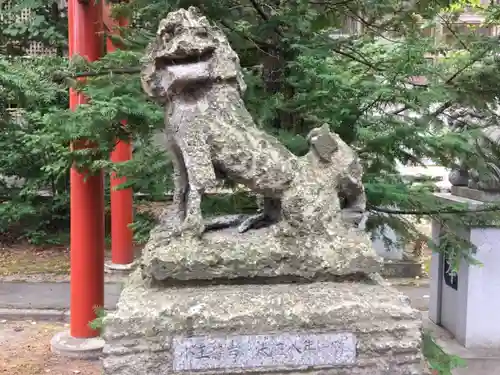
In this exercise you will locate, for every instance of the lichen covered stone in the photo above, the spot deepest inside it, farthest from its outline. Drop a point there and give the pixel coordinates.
(277, 276)
(140, 333)
(228, 254)
(191, 69)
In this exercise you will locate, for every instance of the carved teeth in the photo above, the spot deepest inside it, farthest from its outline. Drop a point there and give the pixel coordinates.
(167, 58)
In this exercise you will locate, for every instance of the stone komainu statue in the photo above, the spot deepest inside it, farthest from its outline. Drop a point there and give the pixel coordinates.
(274, 286)
(192, 70)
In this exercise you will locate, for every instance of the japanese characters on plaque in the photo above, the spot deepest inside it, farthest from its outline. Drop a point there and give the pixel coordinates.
(261, 351)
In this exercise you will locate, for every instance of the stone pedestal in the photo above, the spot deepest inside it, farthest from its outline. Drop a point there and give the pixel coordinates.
(475, 194)
(317, 328)
(230, 303)
(466, 304)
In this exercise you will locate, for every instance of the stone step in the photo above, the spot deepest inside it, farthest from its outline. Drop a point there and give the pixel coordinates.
(401, 268)
(480, 366)
(479, 361)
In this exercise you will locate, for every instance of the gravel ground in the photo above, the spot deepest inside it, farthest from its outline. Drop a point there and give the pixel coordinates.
(25, 350)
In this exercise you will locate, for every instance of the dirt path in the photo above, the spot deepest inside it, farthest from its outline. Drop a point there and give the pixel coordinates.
(29, 263)
(26, 262)
(25, 350)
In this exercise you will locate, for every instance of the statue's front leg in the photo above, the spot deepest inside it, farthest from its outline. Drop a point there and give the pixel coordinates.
(180, 179)
(201, 177)
(193, 222)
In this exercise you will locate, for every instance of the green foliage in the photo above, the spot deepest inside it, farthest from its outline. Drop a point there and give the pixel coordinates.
(97, 323)
(301, 72)
(438, 359)
(143, 223)
(227, 204)
(25, 21)
(37, 126)
(148, 171)
(32, 159)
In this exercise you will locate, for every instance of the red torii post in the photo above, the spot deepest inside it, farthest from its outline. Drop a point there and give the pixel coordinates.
(86, 25)
(87, 206)
(87, 192)
(122, 251)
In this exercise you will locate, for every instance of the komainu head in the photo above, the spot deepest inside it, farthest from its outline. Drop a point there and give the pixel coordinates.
(188, 51)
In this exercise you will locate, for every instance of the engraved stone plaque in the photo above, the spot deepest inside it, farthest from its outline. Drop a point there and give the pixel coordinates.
(287, 350)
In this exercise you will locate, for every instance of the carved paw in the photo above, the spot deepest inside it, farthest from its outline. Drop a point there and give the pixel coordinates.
(193, 225)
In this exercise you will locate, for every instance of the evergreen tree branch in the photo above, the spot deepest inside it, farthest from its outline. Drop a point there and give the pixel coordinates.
(354, 58)
(260, 45)
(453, 32)
(443, 107)
(376, 29)
(131, 70)
(329, 4)
(467, 66)
(432, 212)
(259, 10)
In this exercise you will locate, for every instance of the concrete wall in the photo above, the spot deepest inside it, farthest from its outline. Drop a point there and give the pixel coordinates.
(469, 309)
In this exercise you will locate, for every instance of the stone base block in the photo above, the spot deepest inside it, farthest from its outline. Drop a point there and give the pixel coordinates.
(261, 253)
(317, 328)
(66, 345)
(120, 269)
(476, 194)
(401, 268)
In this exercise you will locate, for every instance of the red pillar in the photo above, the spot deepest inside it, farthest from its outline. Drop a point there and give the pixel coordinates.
(87, 192)
(122, 251)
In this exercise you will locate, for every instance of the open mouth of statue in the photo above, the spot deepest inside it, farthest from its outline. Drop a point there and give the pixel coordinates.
(184, 67)
(183, 57)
